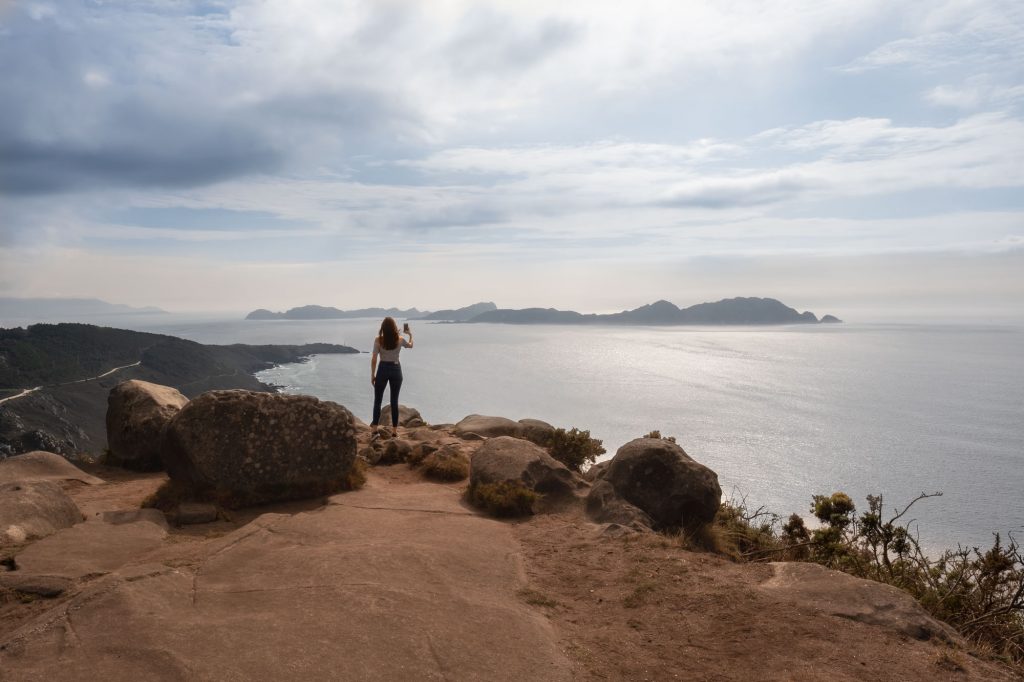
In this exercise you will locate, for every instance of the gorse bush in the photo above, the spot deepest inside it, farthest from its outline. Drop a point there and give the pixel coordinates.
(574, 447)
(980, 593)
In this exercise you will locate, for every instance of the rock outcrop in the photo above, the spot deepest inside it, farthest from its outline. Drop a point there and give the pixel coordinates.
(250, 448)
(30, 510)
(42, 466)
(533, 430)
(102, 544)
(407, 416)
(605, 506)
(137, 412)
(505, 458)
(657, 477)
(816, 588)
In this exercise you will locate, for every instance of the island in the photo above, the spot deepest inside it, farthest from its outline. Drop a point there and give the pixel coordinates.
(319, 312)
(728, 311)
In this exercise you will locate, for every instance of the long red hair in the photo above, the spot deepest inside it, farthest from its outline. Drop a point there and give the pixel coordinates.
(388, 334)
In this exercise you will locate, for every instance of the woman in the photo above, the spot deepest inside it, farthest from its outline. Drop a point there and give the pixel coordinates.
(387, 345)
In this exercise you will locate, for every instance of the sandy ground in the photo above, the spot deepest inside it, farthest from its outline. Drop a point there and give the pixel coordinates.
(552, 597)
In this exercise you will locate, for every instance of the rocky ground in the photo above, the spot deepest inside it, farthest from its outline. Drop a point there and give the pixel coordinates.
(403, 580)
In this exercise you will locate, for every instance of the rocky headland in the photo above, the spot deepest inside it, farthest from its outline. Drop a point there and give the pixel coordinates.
(55, 378)
(285, 539)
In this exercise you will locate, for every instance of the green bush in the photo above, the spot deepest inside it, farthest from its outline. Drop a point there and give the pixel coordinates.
(657, 435)
(574, 447)
(504, 499)
(980, 593)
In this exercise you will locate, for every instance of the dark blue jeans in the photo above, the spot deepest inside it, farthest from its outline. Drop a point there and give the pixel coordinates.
(387, 372)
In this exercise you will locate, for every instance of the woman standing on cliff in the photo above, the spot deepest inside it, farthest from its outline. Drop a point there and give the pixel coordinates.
(387, 345)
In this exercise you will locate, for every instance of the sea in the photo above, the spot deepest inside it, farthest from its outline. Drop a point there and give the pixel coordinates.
(781, 413)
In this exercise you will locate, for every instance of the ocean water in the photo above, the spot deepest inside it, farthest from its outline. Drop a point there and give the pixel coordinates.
(780, 413)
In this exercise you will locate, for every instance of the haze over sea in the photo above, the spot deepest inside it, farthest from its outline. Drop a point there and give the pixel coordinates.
(780, 413)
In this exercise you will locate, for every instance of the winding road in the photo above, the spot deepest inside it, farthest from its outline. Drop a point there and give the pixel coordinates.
(29, 391)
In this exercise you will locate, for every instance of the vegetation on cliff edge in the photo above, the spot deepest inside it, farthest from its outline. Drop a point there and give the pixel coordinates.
(979, 592)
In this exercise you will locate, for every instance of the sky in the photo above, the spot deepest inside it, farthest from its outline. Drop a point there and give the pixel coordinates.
(864, 159)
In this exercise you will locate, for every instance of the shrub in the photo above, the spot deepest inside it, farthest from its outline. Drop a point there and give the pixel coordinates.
(446, 465)
(980, 593)
(657, 435)
(504, 499)
(574, 448)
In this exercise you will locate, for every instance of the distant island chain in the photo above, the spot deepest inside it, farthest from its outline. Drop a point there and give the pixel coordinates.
(729, 311)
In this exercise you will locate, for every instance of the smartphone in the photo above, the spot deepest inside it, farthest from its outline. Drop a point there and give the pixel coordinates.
(405, 328)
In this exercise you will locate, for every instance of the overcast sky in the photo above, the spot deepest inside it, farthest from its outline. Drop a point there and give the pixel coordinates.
(860, 158)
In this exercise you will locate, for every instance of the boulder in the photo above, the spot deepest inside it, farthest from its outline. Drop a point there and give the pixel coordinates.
(252, 448)
(137, 412)
(371, 453)
(407, 416)
(192, 513)
(448, 463)
(512, 459)
(488, 427)
(121, 517)
(605, 506)
(596, 471)
(42, 466)
(46, 586)
(657, 476)
(536, 431)
(395, 451)
(30, 510)
(814, 587)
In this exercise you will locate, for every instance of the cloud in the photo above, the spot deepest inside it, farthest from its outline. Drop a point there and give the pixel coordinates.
(974, 93)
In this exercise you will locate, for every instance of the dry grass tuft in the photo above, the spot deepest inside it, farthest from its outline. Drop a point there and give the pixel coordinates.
(446, 465)
(535, 598)
(504, 499)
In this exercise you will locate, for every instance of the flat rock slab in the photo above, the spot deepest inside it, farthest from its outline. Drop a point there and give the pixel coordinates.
(47, 586)
(90, 548)
(393, 582)
(839, 594)
(42, 466)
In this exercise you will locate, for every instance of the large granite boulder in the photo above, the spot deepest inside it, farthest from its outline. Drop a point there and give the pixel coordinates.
(137, 412)
(605, 506)
(42, 466)
(407, 416)
(505, 458)
(249, 448)
(536, 431)
(30, 510)
(488, 427)
(533, 430)
(658, 477)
